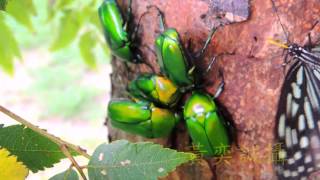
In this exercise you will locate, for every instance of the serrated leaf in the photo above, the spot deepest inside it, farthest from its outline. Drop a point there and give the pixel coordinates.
(9, 49)
(34, 150)
(68, 30)
(69, 174)
(10, 168)
(86, 46)
(21, 11)
(125, 160)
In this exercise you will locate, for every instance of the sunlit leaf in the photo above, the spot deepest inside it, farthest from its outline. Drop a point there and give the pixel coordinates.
(69, 174)
(125, 160)
(34, 150)
(86, 46)
(60, 4)
(21, 10)
(10, 168)
(68, 30)
(9, 49)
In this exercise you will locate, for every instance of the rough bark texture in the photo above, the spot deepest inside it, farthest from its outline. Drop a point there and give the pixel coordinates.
(252, 72)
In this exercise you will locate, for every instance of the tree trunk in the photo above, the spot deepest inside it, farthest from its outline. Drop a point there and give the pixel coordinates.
(252, 73)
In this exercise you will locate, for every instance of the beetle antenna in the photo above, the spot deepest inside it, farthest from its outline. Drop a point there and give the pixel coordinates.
(278, 17)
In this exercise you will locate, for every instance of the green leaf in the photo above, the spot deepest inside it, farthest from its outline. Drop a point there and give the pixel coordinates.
(21, 10)
(60, 4)
(86, 46)
(68, 30)
(31, 148)
(125, 160)
(3, 4)
(8, 48)
(69, 174)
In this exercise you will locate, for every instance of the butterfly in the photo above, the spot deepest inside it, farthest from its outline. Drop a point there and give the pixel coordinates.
(298, 114)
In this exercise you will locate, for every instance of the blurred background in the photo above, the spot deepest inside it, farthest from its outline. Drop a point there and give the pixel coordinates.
(54, 70)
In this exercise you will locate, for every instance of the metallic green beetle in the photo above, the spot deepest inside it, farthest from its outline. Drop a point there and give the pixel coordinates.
(172, 59)
(155, 88)
(206, 127)
(141, 118)
(117, 33)
(175, 62)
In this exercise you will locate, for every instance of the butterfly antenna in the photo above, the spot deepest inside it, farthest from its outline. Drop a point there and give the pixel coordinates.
(278, 17)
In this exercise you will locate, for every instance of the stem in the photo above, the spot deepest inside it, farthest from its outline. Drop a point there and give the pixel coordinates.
(53, 138)
(66, 152)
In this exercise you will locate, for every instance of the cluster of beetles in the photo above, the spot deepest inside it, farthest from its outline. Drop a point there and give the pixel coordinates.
(156, 104)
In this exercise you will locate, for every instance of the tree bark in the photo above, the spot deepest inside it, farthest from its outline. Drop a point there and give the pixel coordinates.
(252, 73)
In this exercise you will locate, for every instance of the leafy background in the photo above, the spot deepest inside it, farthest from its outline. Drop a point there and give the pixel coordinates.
(70, 34)
(54, 67)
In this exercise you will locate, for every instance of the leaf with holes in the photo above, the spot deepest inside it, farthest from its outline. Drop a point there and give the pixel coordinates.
(10, 168)
(125, 160)
(34, 150)
(69, 174)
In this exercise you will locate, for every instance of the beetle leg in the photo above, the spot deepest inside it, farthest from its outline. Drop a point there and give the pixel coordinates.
(128, 15)
(160, 14)
(213, 60)
(221, 85)
(137, 27)
(127, 69)
(148, 63)
(161, 17)
(206, 44)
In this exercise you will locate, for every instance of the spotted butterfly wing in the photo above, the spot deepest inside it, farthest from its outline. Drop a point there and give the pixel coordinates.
(298, 118)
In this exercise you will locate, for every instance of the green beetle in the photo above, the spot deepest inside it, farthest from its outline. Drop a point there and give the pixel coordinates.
(141, 118)
(117, 33)
(172, 59)
(155, 88)
(206, 127)
(175, 62)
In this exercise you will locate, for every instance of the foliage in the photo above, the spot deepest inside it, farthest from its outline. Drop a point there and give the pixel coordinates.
(34, 150)
(69, 174)
(3, 4)
(10, 168)
(70, 22)
(8, 47)
(63, 69)
(125, 160)
(37, 149)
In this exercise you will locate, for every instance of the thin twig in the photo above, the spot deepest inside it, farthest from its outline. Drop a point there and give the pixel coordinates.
(53, 138)
(66, 152)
